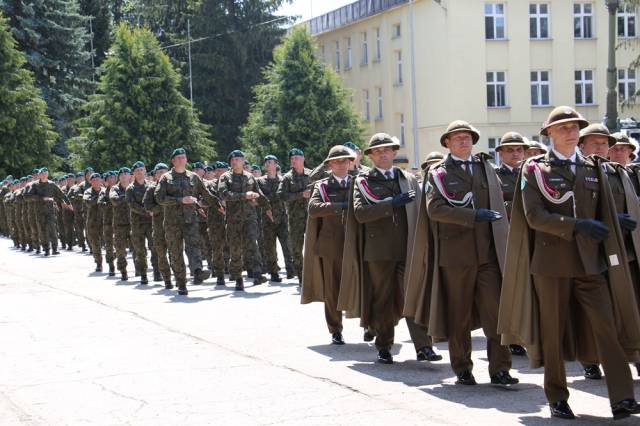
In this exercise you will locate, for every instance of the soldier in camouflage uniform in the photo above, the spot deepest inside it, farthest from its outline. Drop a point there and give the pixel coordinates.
(276, 229)
(205, 245)
(47, 193)
(157, 223)
(94, 218)
(141, 228)
(4, 190)
(241, 194)
(75, 195)
(30, 201)
(68, 233)
(216, 227)
(107, 220)
(121, 219)
(177, 192)
(295, 191)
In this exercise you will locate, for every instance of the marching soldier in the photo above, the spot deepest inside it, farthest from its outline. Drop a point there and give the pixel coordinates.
(68, 238)
(294, 191)
(47, 193)
(121, 220)
(75, 195)
(94, 218)
(568, 205)
(176, 192)
(107, 219)
(216, 228)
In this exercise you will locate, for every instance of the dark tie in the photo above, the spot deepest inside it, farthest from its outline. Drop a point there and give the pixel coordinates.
(343, 183)
(388, 175)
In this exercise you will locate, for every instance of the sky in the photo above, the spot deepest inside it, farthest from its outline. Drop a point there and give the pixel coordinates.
(305, 7)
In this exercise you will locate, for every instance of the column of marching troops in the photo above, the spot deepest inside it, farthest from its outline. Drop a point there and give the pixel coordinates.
(540, 252)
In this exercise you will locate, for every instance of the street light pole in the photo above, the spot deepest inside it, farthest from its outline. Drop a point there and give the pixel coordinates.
(612, 95)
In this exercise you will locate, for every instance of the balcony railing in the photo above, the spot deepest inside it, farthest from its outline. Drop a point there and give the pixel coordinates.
(350, 13)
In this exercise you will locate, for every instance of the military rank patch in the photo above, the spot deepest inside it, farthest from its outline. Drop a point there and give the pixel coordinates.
(591, 179)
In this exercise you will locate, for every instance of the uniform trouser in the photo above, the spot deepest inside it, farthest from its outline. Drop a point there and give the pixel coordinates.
(94, 238)
(47, 230)
(271, 232)
(33, 227)
(78, 227)
(141, 236)
(217, 239)
(468, 288)
(179, 235)
(296, 243)
(160, 246)
(107, 237)
(121, 241)
(243, 234)
(592, 294)
(67, 227)
(385, 279)
(205, 243)
(331, 270)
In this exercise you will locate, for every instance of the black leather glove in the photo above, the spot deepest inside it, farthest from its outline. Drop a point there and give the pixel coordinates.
(486, 215)
(626, 222)
(404, 198)
(592, 228)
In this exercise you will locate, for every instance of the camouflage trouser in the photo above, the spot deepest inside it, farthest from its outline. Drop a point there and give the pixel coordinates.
(46, 225)
(179, 235)
(242, 236)
(94, 238)
(160, 247)
(271, 232)
(34, 235)
(24, 228)
(217, 239)
(67, 227)
(141, 233)
(107, 238)
(121, 240)
(205, 243)
(297, 225)
(78, 227)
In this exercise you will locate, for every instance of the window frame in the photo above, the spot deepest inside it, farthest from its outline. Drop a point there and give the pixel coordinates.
(538, 17)
(540, 83)
(583, 82)
(582, 15)
(496, 84)
(494, 15)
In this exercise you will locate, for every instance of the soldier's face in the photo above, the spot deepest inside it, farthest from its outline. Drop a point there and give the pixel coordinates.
(297, 161)
(339, 167)
(96, 183)
(199, 172)
(69, 182)
(512, 156)
(111, 180)
(460, 144)
(237, 163)
(383, 157)
(595, 145)
(256, 173)
(160, 173)
(139, 174)
(124, 179)
(219, 172)
(621, 154)
(179, 161)
(80, 179)
(566, 134)
(209, 175)
(270, 166)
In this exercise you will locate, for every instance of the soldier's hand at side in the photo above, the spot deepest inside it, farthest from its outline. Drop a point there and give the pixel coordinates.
(189, 200)
(269, 214)
(626, 222)
(486, 215)
(48, 199)
(221, 210)
(592, 228)
(251, 195)
(306, 193)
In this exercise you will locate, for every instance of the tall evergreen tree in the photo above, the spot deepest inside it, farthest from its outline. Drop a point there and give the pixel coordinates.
(98, 16)
(301, 104)
(54, 37)
(138, 112)
(26, 135)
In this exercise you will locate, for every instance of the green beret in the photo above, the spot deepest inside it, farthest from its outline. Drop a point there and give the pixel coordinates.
(35, 171)
(236, 153)
(225, 165)
(295, 151)
(270, 157)
(95, 176)
(106, 175)
(9, 177)
(246, 163)
(124, 170)
(88, 170)
(160, 166)
(24, 179)
(29, 177)
(197, 165)
(80, 174)
(255, 167)
(221, 165)
(178, 151)
(44, 169)
(137, 165)
(208, 169)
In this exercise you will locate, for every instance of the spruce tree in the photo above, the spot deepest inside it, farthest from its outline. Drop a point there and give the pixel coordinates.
(301, 104)
(138, 112)
(26, 135)
(98, 13)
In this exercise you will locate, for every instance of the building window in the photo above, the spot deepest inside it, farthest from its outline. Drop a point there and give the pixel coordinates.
(538, 20)
(583, 20)
(366, 109)
(626, 22)
(493, 142)
(378, 45)
(402, 140)
(494, 21)
(540, 88)
(584, 87)
(626, 84)
(365, 49)
(379, 92)
(396, 31)
(337, 56)
(349, 59)
(398, 67)
(496, 89)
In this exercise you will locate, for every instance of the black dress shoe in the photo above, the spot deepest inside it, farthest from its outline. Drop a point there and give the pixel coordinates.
(561, 410)
(276, 278)
(182, 290)
(592, 372)
(503, 377)
(384, 357)
(368, 336)
(466, 378)
(517, 350)
(336, 338)
(239, 284)
(428, 354)
(625, 408)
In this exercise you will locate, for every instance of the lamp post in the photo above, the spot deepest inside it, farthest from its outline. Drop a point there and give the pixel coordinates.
(611, 117)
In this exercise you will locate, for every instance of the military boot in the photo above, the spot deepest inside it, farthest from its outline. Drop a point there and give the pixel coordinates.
(276, 278)
(239, 285)
(47, 251)
(168, 285)
(200, 275)
(290, 274)
(157, 276)
(220, 280)
(112, 269)
(259, 279)
(182, 290)
(143, 279)
(98, 267)
(84, 248)
(123, 276)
